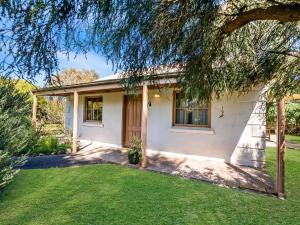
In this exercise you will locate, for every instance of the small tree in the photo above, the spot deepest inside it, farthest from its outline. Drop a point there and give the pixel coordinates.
(73, 76)
(54, 108)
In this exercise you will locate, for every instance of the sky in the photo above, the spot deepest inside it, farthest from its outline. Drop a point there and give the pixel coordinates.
(89, 61)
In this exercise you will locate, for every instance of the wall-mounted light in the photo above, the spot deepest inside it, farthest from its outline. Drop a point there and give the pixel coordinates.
(221, 113)
(155, 96)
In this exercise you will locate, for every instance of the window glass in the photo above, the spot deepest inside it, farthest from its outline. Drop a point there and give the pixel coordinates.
(190, 112)
(93, 109)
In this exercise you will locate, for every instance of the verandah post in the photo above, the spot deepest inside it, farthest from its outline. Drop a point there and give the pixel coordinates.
(34, 110)
(75, 120)
(144, 125)
(280, 148)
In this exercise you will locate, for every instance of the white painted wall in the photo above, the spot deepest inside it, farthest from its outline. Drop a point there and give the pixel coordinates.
(110, 131)
(237, 137)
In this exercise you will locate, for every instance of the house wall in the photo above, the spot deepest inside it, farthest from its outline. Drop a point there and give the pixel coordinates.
(236, 135)
(110, 131)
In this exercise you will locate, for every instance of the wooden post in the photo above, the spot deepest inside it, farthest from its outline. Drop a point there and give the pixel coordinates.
(280, 148)
(144, 125)
(34, 110)
(75, 120)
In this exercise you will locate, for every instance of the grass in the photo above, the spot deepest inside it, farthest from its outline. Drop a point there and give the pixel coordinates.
(111, 194)
(293, 138)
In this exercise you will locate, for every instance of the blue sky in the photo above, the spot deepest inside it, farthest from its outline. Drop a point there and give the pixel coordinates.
(90, 61)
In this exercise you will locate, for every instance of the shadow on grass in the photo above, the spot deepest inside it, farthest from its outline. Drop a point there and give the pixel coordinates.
(217, 173)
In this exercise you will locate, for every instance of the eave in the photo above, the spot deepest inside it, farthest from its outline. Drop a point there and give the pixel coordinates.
(100, 86)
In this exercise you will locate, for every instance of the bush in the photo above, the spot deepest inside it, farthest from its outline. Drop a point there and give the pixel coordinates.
(48, 145)
(135, 151)
(7, 167)
(15, 128)
(292, 116)
(292, 113)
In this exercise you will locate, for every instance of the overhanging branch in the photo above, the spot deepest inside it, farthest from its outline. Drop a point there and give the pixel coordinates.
(289, 53)
(282, 13)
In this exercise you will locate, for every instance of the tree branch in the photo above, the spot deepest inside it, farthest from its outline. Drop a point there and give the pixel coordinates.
(289, 53)
(282, 13)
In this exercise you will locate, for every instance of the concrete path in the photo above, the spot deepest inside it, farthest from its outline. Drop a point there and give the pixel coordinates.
(292, 145)
(215, 172)
(288, 144)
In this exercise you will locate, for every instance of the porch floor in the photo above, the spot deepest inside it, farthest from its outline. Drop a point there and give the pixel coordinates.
(220, 173)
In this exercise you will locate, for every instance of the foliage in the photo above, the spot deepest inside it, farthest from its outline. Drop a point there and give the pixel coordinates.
(49, 109)
(7, 168)
(25, 87)
(146, 37)
(49, 139)
(53, 129)
(15, 118)
(15, 128)
(135, 151)
(292, 116)
(49, 145)
(132, 196)
(271, 114)
(74, 76)
(54, 111)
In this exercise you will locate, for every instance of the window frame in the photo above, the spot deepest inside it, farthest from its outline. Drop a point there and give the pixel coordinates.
(85, 110)
(174, 124)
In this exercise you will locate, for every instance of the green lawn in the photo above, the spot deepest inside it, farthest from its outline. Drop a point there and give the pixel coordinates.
(293, 138)
(111, 194)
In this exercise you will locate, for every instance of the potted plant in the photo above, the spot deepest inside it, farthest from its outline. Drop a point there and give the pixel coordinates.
(135, 151)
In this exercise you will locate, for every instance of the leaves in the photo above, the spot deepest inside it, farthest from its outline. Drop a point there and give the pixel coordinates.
(142, 37)
(15, 128)
(74, 76)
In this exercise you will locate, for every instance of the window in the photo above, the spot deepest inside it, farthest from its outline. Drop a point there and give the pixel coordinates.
(93, 109)
(190, 113)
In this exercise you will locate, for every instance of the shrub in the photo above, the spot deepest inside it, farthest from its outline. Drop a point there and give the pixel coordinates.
(292, 113)
(292, 116)
(32, 141)
(15, 128)
(7, 167)
(49, 145)
(135, 151)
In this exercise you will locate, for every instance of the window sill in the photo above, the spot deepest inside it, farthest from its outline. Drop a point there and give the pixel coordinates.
(192, 130)
(92, 124)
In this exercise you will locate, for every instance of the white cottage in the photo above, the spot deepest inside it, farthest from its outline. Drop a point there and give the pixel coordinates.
(231, 129)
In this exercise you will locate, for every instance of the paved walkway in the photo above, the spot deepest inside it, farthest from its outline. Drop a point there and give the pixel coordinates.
(215, 172)
(288, 144)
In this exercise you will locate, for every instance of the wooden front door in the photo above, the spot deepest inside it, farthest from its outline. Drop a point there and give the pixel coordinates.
(133, 118)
